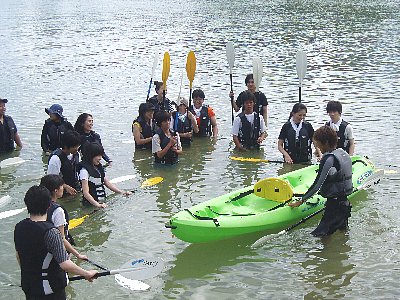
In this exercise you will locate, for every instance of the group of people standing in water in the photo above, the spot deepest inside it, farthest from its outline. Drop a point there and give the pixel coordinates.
(164, 127)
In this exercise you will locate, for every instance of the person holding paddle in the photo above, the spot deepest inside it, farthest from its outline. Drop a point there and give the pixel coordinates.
(144, 126)
(205, 116)
(248, 128)
(93, 177)
(261, 102)
(333, 181)
(8, 130)
(40, 251)
(183, 122)
(158, 100)
(295, 138)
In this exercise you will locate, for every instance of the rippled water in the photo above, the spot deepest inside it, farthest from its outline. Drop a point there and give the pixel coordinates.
(96, 56)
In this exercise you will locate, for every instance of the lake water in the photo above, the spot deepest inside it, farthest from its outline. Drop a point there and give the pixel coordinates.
(96, 57)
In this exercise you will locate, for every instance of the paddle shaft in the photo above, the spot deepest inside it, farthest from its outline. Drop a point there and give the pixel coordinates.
(110, 272)
(230, 76)
(148, 92)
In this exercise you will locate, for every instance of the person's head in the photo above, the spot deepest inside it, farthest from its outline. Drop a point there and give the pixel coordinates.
(248, 102)
(334, 110)
(70, 141)
(54, 183)
(159, 87)
(55, 112)
(182, 105)
(37, 200)
(198, 98)
(325, 138)
(92, 153)
(163, 119)
(299, 112)
(3, 106)
(146, 110)
(249, 81)
(84, 123)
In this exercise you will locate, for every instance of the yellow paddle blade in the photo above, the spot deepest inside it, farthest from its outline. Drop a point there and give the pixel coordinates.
(166, 68)
(152, 181)
(274, 189)
(191, 66)
(76, 222)
(249, 159)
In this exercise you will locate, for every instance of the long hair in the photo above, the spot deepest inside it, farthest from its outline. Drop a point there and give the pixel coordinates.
(80, 121)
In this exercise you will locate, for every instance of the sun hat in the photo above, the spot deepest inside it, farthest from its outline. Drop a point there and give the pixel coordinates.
(55, 109)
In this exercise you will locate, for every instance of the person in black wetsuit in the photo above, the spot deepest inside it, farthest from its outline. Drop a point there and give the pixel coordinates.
(8, 130)
(334, 182)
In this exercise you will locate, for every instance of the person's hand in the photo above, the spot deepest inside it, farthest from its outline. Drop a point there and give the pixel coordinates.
(295, 204)
(231, 95)
(288, 159)
(173, 140)
(47, 153)
(260, 139)
(188, 135)
(70, 190)
(126, 193)
(82, 256)
(101, 205)
(90, 275)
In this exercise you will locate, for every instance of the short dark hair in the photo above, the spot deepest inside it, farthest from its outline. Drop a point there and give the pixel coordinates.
(51, 182)
(198, 93)
(71, 139)
(158, 84)
(248, 77)
(162, 116)
(91, 150)
(333, 106)
(247, 95)
(79, 122)
(326, 135)
(37, 200)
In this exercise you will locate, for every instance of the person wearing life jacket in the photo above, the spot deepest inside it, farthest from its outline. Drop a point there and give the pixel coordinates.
(40, 251)
(93, 177)
(342, 128)
(83, 126)
(54, 128)
(160, 104)
(8, 130)
(205, 116)
(143, 127)
(166, 144)
(333, 181)
(57, 214)
(183, 122)
(64, 162)
(295, 138)
(260, 104)
(248, 128)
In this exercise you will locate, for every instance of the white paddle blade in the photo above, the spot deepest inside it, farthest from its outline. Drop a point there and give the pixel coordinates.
(12, 161)
(230, 54)
(257, 72)
(139, 269)
(122, 178)
(301, 64)
(4, 200)
(133, 285)
(155, 62)
(10, 213)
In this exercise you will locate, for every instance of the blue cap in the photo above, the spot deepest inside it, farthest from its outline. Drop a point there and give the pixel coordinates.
(55, 109)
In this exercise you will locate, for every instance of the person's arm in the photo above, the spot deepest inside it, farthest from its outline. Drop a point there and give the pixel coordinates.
(282, 150)
(17, 140)
(113, 188)
(213, 121)
(349, 135)
(68, 245)
(263, 131)
(172, 142)
(193, 120)
(178, 148)
(265, 115)
(43, 140)
(137, 135)
(352, 147)
(235, 134)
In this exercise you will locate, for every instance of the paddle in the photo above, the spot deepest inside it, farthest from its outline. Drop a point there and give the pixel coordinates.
(369, 181)
(190, 71)
(165, 74)
(301, 67)
(257, 76)
(78, 221)
(4, 200)
(152, 74)
(12, 161)
(137, 269)
(10, 213)
(230, 54)
(251, 159)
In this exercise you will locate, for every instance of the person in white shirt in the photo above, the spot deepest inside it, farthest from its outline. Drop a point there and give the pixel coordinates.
(248, 128)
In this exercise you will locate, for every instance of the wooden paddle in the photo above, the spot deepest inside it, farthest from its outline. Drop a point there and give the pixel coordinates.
(230, 54)
(165, 74)
(190, 72)
(301, 67)
(152, 74)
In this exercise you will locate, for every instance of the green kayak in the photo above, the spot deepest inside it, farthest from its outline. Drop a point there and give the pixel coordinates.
(241, 212)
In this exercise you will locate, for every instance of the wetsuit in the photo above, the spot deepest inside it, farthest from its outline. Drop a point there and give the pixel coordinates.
(7, 134)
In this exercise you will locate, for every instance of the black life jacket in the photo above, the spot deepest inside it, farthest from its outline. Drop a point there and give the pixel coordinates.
(40, 273)
(298, 149)
(205, 121)
(170, 157)
(249, 133)
(182, 127)
(69, 168)
(147, 131)
(339, 184)
(164, 105)
(95, 182)
(50, 211)
(342, 141)
(55, 132)
(9, 131)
